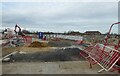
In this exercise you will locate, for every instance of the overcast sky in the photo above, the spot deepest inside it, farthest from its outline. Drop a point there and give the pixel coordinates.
(60, 16)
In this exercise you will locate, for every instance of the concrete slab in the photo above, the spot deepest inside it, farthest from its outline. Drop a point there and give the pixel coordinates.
(69, 67)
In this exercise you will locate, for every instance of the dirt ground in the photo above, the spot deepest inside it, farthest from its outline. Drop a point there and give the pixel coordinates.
(51, 46)
(72, 64)
(6, 51)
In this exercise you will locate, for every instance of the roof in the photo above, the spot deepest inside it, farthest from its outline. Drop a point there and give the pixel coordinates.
(93, 32)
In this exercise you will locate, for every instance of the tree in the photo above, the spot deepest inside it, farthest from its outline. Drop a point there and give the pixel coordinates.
(26, 31)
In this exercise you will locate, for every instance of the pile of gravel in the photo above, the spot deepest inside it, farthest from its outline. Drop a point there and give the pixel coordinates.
(69, 54)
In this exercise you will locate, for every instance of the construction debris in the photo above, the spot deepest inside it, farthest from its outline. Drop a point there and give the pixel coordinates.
(6, 60)
(11, 54)
(21, 52)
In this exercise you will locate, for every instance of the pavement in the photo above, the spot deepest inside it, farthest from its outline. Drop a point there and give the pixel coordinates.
(67, 67)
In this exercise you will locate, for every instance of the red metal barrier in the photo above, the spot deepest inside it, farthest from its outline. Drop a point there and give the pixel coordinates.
(27, 39)
(103, 54)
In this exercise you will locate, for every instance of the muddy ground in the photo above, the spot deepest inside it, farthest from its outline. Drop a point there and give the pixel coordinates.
(51, 46)
(54, 52)
(69, 54)
(61, 43)
(53, 59)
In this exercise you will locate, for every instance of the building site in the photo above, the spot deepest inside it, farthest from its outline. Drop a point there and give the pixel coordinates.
(50, 51)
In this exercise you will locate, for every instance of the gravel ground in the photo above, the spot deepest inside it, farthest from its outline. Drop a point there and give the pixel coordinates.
(69, 54)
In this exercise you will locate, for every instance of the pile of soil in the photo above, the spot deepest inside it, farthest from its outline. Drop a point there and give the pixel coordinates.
(38, 44)
(69, 54)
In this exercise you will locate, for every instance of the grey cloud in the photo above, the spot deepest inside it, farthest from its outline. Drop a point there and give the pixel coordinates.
(66, 16)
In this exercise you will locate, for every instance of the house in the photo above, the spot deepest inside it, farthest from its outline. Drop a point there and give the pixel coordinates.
(92, 33)
(74, 33)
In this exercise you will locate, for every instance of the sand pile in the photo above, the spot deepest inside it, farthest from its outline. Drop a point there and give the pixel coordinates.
(38, 44)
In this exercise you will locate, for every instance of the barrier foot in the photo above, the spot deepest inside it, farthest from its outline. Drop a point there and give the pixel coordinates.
(90, 65)
(101, 70)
